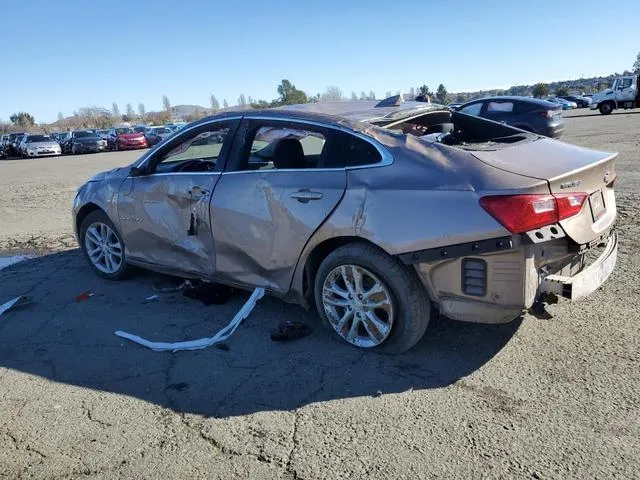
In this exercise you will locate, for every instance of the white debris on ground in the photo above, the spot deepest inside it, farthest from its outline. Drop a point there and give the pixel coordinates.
(8, 261)
(219, 337)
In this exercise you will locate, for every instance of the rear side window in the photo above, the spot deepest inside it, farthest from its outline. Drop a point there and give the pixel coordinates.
(351, 151)
(500, 107)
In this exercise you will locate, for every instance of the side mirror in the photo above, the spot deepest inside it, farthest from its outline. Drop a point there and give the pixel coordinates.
(136, 171)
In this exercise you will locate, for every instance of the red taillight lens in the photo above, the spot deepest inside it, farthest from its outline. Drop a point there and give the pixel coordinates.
(521, 213)
(548, 113)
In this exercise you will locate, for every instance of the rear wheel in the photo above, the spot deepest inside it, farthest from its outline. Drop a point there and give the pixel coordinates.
(605, 108)
(103, 246)
(371, 300)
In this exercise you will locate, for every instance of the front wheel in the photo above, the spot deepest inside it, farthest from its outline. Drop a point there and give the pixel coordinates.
(605, 108)
(103, 246)
(371, 300)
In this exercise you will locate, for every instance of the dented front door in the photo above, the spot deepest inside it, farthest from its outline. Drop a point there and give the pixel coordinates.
(165, 220)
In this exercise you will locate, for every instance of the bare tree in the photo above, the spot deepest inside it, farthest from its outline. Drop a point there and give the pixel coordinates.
(115, 111)
(166, 104)
(250, 100)
(225, 104)
(60, 116)
(141, 110)
(94, 117)
(130, 112)
(213, 101)
(354, 96)
(332, 94)
(363, 96)
(242, 101)
(372, 95)
(387, 94)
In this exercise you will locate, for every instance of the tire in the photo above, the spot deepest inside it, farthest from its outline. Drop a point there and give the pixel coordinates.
(407, 314)
(605, 108)
(97, 219)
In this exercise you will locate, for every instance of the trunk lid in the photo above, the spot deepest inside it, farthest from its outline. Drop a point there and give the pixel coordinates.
(567, 169)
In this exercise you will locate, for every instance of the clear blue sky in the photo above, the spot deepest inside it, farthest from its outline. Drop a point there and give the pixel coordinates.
(59, 57)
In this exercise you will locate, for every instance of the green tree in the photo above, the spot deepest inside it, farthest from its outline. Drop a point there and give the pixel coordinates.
(22, 120)
(540, 90)
(562, 92)
(260, 105)
(424, 91)
(289, 94)
(441, 94)
(636, 64)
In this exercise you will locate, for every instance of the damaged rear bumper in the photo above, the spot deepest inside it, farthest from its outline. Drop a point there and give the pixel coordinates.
(589, 279)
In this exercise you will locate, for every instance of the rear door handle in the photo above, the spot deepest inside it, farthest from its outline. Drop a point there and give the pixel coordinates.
(305, 195)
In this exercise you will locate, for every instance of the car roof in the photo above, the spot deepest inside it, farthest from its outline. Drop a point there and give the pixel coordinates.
(351, 114)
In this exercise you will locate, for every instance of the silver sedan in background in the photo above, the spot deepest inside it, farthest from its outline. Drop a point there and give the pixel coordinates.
(39, 146)
(374, 213)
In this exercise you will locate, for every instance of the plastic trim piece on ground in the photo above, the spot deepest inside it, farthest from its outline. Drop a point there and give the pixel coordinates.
(219, 337)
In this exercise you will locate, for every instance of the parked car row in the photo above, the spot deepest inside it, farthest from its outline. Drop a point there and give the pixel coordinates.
(23, 144)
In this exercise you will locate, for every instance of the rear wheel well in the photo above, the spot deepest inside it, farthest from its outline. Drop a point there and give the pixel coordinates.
(84, 211)
(318, 254)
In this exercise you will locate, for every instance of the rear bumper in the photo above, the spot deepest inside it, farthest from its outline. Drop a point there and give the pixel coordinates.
(589, 279)
(554, 131)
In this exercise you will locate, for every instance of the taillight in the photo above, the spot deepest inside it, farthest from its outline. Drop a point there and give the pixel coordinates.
(521, 213)
(547, 113)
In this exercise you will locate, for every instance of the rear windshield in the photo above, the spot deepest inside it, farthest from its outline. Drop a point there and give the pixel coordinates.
(38, 138)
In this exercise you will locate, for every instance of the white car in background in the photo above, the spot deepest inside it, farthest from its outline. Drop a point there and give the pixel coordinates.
(39, 146)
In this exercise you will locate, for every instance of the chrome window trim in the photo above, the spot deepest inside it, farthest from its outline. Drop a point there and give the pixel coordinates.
(217, 120)
(164, 174)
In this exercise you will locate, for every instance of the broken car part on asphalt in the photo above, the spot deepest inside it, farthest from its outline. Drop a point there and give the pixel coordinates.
(201, 343)
(17, 302)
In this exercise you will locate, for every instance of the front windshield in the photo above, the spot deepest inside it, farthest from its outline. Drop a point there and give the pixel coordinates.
(123, 131)
(139, 129)
(161, 130)
(37, 138)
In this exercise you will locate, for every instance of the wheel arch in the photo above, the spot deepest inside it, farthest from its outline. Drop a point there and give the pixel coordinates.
(84, 211)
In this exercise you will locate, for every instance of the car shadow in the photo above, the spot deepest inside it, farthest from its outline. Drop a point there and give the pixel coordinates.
(73, 342)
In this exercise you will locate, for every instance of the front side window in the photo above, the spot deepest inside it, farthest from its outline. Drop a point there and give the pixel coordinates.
(624, 83)
(198, 152)
(473, 109)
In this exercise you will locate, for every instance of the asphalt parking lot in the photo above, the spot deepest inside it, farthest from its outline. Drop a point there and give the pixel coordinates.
(540, 397)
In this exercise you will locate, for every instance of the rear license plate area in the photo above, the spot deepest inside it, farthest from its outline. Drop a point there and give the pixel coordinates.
(596, 201)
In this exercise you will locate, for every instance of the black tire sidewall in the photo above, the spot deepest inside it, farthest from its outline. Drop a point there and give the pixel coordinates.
(410, 301)
(100, 216)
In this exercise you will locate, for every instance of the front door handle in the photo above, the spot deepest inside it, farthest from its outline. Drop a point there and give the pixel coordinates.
(305, 195)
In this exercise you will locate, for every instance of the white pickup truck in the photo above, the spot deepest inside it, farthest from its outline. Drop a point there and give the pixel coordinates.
(624, 93)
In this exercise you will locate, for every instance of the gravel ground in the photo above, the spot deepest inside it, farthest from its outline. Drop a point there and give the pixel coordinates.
(537, 398)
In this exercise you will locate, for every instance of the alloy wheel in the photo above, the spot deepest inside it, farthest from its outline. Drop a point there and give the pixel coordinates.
(103, 247)
(358, 305)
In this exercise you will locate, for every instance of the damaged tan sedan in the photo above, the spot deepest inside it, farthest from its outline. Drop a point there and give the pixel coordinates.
(376, 213)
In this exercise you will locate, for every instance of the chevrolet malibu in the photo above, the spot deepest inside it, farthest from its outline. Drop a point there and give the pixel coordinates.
(377, 214)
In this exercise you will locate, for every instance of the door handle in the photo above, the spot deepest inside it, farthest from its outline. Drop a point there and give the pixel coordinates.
(197, 192)
(305, 195)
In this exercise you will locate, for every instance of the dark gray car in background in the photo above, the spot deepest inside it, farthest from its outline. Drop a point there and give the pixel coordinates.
(530, 114)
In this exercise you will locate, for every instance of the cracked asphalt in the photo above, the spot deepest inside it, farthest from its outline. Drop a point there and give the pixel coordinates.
(540, 397)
